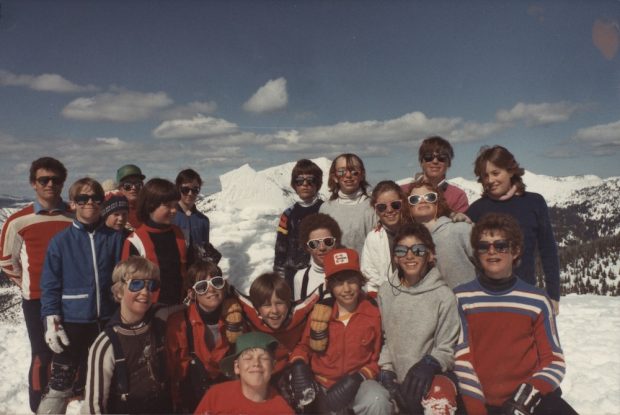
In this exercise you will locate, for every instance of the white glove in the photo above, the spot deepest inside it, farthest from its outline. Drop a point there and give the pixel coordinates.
(55, 334)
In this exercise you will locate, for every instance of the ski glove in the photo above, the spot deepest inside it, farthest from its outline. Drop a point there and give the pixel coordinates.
(387, 378)
(343, 392)
(55, 334)
(302, 383)
(418, 380)
(523, 402)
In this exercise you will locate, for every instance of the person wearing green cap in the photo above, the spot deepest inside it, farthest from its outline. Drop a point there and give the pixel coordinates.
(130, 181)
(253, 363)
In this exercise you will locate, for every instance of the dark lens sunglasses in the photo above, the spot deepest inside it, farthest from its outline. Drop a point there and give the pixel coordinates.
(135, 285)
(202, 286)
(83, 199)
(315, 243)
(430, 197)
(441, 157)
(127, 186)
(342, 172)
(417, 250)
(394, 204)
(44, 180)
(501, 246)
(300, 180)
(186, 189)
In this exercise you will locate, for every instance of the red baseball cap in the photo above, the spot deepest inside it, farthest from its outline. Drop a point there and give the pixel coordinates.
(343, 259)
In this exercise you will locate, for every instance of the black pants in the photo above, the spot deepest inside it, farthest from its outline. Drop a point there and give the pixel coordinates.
(551, 404)
(40, 354)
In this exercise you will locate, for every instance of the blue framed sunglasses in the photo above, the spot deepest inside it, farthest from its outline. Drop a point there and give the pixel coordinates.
(135, 285)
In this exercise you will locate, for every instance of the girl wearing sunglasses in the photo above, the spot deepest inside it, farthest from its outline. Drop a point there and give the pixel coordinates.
(196, 338)
(421, 327)
(455, 259)
(387, 200)
(126, 371)
(318, 234)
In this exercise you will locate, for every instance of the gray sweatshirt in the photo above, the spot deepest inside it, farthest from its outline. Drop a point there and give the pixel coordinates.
(418, 320)
(454, 251)
(355, 219)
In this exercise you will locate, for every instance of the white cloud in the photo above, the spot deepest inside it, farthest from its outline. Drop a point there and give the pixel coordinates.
(47, 82)
(190, 110)
(117, 106)
(196, 127)
(270, 97)
(603, 135)
(539, 114)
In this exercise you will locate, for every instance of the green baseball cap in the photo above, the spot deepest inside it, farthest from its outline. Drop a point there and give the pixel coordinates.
(128, 170)
(251, 340)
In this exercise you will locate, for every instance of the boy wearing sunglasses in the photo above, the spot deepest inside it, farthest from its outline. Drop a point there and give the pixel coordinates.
(508, 359)
(435, 156)
(130, 181)
(290, 255)
(23, 244)
(196, 339)
(127, 362)
(76, 301)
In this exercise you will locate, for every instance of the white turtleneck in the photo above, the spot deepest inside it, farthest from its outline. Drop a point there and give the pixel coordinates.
(316, 277)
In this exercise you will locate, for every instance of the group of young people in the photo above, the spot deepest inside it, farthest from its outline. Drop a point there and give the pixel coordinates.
(404, 300)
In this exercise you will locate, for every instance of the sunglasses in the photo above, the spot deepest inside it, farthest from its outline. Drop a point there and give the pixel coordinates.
(44, 180)
(417, 250)
(136, 285)
(342, 171)
(441, 157)
(327, 241)
(186, 189)
(127, 186)
(301, 180)
(501, 246)
(83, 199)
(201, 287)
(430, 197)
(394, 204)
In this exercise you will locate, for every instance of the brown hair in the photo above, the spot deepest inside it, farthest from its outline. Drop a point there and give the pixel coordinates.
(442, 205)
(351, 160)
(436, 144)
(305, 166)
(265, 285)
(80, 184)
(419, 231)
(134, 267)
(201, 270)
(391, 186)
(502, 158)
(187, 175)
(154, 193)
(342, 276)
(498, 222)
(316, 221)
(48, 163)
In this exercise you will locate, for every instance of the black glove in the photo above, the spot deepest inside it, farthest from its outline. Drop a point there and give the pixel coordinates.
(418, 381)
(342, 392)
(523, 402)
(387, 378)
(304, 388)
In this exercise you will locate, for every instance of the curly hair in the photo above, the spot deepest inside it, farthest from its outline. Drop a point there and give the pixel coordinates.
(442, 205)
(502, 158)
(498, 222)
(318, 221)
(351, 161)
(48, 163)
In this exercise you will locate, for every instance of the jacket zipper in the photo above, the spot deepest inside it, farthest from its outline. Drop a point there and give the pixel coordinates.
(92, 246)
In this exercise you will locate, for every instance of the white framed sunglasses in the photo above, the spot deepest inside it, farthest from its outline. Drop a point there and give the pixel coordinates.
(201, 287)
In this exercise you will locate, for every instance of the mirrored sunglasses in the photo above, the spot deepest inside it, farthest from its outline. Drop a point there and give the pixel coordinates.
(44, 180)
(186, 189)
(301, 180)
(417, 250)
(202, 286)
(441, 157)
(327, 241)
(83, 199)
(135, 285)
(394, 204)
(127, 186)
(501, 246)
(343, 171)
(430, 197)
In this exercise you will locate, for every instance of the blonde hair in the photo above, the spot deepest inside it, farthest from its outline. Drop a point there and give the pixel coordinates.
(134, 267)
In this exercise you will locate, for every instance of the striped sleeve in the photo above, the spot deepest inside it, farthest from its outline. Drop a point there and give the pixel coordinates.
(9, 248)
(99, 376)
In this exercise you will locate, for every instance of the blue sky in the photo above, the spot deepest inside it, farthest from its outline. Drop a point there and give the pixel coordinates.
(215, 84)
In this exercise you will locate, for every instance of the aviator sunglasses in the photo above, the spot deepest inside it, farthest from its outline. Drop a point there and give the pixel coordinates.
(202, 286)
(341, 172)
(417, 250)
(186, 189)
(44, 180)
(83, 199)
(441, 157)
(127, 186)
(501, 246)
(135, 285)
(430, 197)
(394, 204)
(328, 241)
(301, 180)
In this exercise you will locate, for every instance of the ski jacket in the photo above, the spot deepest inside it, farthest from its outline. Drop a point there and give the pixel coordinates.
(376, 262)
(195, 227)
(77, 274)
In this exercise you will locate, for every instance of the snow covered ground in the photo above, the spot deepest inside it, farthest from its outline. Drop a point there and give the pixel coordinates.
(244, 218)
